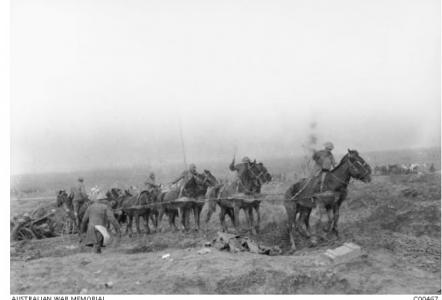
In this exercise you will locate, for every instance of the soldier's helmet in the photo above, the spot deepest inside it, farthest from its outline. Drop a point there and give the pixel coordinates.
(329, 146)
(245, 159)
(192, 168)
(80, 179)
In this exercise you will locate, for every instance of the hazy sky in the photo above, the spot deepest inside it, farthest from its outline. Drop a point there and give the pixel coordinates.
(104, 83)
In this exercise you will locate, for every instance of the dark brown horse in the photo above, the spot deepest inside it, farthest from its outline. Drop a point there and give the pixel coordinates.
(64, 199)
(249, 187)
(191, 189)
(304, 195)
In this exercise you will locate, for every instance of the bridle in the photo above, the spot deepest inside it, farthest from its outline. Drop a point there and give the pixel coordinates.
(352, 165)
(365, 167)
(263, 172)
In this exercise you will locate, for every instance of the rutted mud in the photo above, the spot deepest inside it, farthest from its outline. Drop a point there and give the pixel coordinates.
(398, 232)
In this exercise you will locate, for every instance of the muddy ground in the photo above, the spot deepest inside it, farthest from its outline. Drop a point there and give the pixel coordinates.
(396, 221)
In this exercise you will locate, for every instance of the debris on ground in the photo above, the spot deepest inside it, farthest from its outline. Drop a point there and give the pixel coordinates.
(410, 192)
(109, 284)
(344, 253)
(204, 251)
(83, 291)
(167, 255)
(236, 243)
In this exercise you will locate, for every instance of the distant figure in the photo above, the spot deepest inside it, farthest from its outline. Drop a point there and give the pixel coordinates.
(325, 161)
(79, 197)
(150, 183)
(96, 218)
(432, 168)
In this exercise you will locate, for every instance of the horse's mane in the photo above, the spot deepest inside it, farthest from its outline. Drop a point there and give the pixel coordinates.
(343, 159)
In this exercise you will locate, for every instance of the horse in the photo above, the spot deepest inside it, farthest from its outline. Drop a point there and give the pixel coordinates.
(115, 196)
(134, 207)
(64, 199)
(249, 186)
(150, 197)
(190, 189)
(304, 195)
(195, 190)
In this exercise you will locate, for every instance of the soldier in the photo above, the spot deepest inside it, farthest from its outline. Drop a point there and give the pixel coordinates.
(242, 172)
(187, 176)
(79, 197)
(150, 182)
(325, 161)
(95, 220)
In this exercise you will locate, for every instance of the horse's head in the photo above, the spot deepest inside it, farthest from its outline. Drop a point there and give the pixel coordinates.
(114, 193)
(260, 172)
(209, 178)
(62, 197)
(359, 169)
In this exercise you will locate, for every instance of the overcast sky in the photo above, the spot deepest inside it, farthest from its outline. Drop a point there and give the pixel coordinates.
(104, 83)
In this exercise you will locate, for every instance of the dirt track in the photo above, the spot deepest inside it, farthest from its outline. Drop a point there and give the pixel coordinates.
(396, 221)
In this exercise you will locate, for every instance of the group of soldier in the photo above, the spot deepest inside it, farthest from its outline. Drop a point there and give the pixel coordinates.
(98, 214)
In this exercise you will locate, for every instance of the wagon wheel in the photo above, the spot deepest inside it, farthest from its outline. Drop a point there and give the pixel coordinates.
(26, 234)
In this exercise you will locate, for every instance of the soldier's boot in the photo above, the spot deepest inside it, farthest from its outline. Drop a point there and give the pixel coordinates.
(99, 243)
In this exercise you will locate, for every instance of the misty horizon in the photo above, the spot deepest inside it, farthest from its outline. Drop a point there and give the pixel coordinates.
(108, 86)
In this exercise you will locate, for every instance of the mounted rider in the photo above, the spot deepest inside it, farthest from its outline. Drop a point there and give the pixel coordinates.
(150, 183)
(325, 162)
(79, 196)
(189, 178)
(244, 174)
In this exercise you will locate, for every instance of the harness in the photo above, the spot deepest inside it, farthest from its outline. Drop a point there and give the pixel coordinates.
(352, 166)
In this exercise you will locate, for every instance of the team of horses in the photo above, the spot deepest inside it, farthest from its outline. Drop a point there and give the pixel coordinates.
(180, 200)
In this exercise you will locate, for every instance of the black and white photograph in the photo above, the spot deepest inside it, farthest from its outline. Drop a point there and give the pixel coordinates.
(237, 147)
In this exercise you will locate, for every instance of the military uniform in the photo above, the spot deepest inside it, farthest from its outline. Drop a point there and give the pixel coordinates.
(79, 197)
(97, 213)
(242, 174)
(150, 183)
(187, 176)
(325, 162)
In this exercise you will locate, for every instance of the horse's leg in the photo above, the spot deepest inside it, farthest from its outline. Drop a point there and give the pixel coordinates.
(173, 216)
(251, 221)
(290, 208)
(129, 225)
(231, 215)
(222, 219)
(236, 216)
(154, 218)
(146, 218)
(183, 213)
(303, 219)
(258, 216)
(211, 209)
(137, 223)
(196, 216)
(335, 220)
(330, 216)
(307, 220)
